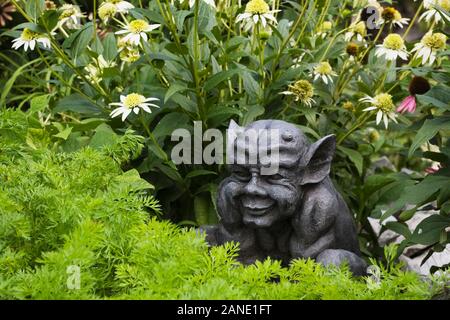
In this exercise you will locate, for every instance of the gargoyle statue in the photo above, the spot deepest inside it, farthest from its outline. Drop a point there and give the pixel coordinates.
(293, 212)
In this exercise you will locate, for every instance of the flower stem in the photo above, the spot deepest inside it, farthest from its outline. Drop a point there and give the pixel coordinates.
(359, 123)
(413, 20)
(286, 41)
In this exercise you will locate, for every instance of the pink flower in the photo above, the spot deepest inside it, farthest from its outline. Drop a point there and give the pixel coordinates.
(409, 105)
(431, 170)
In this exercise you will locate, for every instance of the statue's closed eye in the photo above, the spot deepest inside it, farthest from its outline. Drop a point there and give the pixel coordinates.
(275, 177)
(242, 175)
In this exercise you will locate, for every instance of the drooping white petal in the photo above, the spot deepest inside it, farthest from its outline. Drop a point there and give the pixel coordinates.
(152, 27)
(125, 114)
(116, 104)
(386, 121)
(263, 21)
(379, 115)
(151, 99)
(146, 109)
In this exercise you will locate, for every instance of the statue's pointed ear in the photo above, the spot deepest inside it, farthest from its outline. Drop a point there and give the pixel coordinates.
(233, 125)
(318, 160)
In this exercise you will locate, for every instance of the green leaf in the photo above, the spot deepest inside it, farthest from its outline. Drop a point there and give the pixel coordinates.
(206, 17)
(418, 194)
(171, 173)
(39, 103)
(158, 152)
(49, 19)
(87, 124)
(104, 136)
(306, 129)
(34, 8)
(219, 114)
(29, 25)
(407, 214)
(218, 78)
(429, 230)
(174, 88)
(131, 181)
(64, 134)
(354, 157)
(438, 96)
(429, 129)
(375, 182)
(8, 85)
(180, 16)
(169, 123)
(184, 102)
(78, 41)
(399, 228)
(200, 172)
(109, 47)
(251, 86)
(253, 112)
(76, 103)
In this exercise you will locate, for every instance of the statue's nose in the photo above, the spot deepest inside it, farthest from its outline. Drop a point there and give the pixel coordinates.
(254, 187)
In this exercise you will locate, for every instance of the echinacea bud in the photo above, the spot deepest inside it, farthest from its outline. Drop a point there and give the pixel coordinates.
(326, 26)
(264, 35)
(348, 105)
(346, 13)
(419, 85)
(352, 49)
(50, 5)
(374, 136)
(388, 13)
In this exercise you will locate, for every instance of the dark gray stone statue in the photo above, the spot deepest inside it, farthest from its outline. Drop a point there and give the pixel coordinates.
(294, 213)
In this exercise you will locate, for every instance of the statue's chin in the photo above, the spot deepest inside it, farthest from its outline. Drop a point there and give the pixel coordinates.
(259, 218)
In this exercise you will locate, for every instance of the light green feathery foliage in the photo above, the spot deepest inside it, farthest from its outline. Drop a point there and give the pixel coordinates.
(79, 210)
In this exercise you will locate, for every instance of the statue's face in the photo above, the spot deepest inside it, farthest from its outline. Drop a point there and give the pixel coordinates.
(265, 199)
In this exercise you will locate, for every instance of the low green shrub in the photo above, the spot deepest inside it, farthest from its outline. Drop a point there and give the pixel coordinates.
(67, 212)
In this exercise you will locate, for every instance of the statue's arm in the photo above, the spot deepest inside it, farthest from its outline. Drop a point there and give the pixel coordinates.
(313, 227)
(325, 241)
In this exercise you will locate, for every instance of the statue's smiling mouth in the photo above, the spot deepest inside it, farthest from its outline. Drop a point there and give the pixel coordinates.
(256, 205)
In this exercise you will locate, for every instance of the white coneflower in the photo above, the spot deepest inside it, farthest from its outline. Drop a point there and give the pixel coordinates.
(107, 11)
(136, 30)
(121, 6)
(257, 11)
(385, 108)
(433, 12)
(128, 52)
(430, 44)
(324, 71)
(132, 102)
(29, 39)
(129, 55)
(303, 92)
(392, 15)
(393, 47)
(70, 16)
(357, 29)
(208, 2)
(95, 70)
